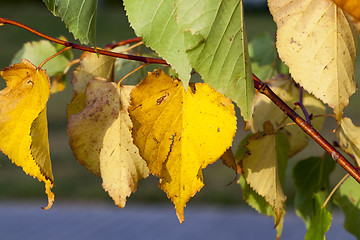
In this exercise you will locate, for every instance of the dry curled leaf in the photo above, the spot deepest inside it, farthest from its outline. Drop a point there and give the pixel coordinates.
(23, 122)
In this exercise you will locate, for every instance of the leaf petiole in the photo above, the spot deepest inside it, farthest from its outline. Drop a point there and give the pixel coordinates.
(51, 57)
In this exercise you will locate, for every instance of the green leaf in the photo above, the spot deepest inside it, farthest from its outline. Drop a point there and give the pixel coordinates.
(348, 198)
(263, 55)
(37, 51)
(79, 17)
(321, 220)
(262, 49)
(311, 176)
(154, 21)
(215, 41)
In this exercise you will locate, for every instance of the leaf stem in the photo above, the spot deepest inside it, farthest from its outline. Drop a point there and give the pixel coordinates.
(334, 189)
(138, 68)
(52, 56)
(307, 128)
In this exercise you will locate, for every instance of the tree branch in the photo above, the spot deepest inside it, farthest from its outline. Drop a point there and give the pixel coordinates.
(259, 85)
(307, 128)
(85, 48)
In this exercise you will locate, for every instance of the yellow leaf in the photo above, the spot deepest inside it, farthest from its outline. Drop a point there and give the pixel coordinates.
(179, 133)
(260, 169)
(266, 110)
(100, 136)
(350, 6)
(349, 138)
(91, 65)
(23, 123)
(318, 43)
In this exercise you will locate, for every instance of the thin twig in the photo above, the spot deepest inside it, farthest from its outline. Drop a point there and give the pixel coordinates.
(121, 43)
(307, 128)
(334, 189)
(301, 104)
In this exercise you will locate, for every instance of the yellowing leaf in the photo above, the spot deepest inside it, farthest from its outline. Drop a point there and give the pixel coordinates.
(179, 133)
(266, 110)
(260, 168)
(101, 140)
(349, 138)
(350, 6)
(91, 65)
(23, 123)
(318, 43)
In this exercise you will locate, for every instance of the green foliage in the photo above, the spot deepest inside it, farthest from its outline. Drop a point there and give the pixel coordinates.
(321, 219)
(216, 45)
(79, 17)
(311, 177)
(155, 22)
(36, 52)
(348, 198)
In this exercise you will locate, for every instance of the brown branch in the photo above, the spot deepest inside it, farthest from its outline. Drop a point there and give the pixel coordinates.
(121, 43)
(259, 85)
(307, 128)
(85, 48)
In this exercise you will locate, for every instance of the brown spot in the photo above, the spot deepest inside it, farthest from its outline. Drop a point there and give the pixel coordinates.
(30, 82)
(161, 99)
(136, 107)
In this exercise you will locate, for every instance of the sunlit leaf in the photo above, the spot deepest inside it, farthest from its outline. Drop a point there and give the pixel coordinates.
(154, 21)
(348, 198)
(261, 167)
(255, 200)
(215, 42)
(101, 140)
(79, 17)
(179, 133)
(318, 43)
(23, 123)
(349, 138)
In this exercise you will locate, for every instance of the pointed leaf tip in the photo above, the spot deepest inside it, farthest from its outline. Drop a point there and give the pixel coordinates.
(25, 139)
(100, 136)
(179, 133)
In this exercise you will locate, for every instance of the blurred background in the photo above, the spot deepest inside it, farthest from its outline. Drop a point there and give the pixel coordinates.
(72, 181)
